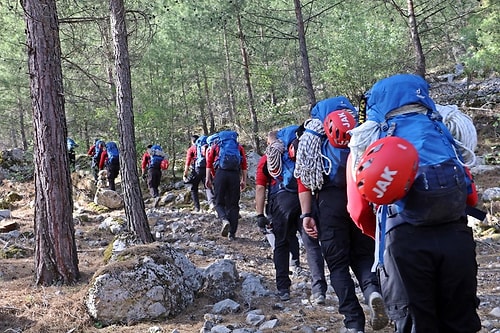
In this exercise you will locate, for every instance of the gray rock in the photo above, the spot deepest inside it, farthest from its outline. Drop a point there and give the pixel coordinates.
(143, 283)
(225, 306)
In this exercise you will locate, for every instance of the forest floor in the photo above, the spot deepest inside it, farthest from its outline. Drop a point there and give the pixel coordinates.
(25, 307)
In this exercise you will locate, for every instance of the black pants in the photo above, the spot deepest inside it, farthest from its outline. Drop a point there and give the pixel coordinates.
(284, 210)
(345, 246)
(429, 278)
(227, 196)
(113, 170)
(154, 178)
(199, 178)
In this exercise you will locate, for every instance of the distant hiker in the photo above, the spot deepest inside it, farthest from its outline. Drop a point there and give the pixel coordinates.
(151, 168)
(274, 179)
(320, 170)
(194, 169)
(407, 165)
(71, 145)
(95, 152)
(226, 160)
(110, 160)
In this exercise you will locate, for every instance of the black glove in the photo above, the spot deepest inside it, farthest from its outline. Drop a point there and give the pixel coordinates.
(262, 223)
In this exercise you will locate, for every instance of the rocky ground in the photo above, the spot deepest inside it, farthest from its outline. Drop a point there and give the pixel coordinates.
(27, 308)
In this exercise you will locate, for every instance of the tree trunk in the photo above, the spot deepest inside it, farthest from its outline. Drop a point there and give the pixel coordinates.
(201, 104)
(229, 82)
(211, 115)
(56, 259)
(22, 129)
(303, 54)
(415, 39)
(134, 205)
(251, 106)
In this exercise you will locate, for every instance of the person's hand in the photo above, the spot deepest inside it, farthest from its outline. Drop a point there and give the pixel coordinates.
(309, 226)
(242, 185)
(144, 176)
(262, 223)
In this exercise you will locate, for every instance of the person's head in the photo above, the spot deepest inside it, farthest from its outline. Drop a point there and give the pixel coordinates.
(271, 137)
(149, 146)
(194, 137)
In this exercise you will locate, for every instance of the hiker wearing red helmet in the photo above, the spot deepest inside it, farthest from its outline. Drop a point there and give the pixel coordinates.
(320, 170)
(406, 165)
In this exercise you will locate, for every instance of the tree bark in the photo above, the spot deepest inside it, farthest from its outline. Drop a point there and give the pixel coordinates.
(134, 205)
(56, 260)
(415, 39)
(229, 82)
(251, 106)
(303, 54)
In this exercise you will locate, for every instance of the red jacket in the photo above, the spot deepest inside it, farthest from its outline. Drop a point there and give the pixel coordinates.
(190, 156)
(145, 161)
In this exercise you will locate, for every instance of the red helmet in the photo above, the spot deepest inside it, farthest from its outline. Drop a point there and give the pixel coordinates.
(292, 149)
(387, 170)
(336, 125)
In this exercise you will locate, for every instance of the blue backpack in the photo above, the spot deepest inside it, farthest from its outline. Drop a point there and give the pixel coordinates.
(439, 192)
(157, 155)
(71, 144)
(201, 146)
(286, 181)
(334, 158)
(229, 157)
(113, 153)
(97, 153)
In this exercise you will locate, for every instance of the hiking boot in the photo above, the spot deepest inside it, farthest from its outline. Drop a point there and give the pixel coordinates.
(284, 295)
(317, 299)
(225, 228)
(378, 317)
(231, 237)
(350, 330)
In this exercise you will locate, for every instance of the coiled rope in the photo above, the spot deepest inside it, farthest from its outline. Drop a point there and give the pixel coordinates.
(309, 162)
(274, 151)
(361, 137)
(463, 131)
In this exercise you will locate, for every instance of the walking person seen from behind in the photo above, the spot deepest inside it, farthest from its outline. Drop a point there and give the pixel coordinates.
(274, 179)
(407, 166)
(226, 159)
(151, 167)
(320, 170)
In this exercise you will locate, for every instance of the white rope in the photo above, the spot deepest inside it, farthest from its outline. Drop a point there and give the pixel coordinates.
(361, 137)
(274, 152)
(309, 163)
(463, 131)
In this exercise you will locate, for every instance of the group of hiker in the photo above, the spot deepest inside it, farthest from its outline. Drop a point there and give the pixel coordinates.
(379, 191)
(382, 191)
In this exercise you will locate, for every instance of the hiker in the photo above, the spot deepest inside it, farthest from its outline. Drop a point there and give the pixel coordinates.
(320, 171)
(283, 210)
(95, 152)
(71, 145)
(151, 166)
(426, 258)
(111, 161)
(226, 160)
(194, 170)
